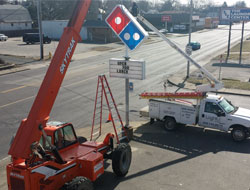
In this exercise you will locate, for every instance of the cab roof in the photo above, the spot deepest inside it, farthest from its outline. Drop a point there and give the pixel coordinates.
(214, 97)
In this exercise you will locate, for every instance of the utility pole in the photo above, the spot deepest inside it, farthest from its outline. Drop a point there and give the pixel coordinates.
(39, 16)
(190, 31)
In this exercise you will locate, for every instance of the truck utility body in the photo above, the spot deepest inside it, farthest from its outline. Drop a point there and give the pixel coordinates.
(213, 112)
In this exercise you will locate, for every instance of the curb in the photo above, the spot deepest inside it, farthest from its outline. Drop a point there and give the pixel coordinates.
(7, 66)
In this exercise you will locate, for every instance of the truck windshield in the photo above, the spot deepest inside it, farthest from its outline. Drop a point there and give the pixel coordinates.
(227, 106)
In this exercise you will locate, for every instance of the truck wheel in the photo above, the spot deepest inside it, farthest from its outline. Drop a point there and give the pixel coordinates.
(121, 159)
(238, 134)
(170, 124)
(79, 183)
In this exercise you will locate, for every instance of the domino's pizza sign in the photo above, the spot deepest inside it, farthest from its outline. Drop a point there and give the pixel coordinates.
(122, 22)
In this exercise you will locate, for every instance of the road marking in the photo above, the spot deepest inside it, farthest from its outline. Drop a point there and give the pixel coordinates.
(81, 81)
(16, 102)
(13, 89)
(34, 96)
(4, 159)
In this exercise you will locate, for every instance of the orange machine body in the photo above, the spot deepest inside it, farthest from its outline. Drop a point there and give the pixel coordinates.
(81, 159)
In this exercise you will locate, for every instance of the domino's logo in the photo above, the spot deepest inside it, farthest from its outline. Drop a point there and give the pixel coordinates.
(126, 27)
(131, 36)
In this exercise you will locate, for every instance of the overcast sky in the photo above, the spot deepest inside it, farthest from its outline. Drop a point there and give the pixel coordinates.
(219, 2)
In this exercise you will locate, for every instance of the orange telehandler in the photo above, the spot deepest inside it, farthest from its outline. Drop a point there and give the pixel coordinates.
(48, 155)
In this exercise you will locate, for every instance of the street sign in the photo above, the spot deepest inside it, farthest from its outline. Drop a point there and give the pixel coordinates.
(126, 27)
(189, 50)
(235, 14)
(166, 18)
(130, 69)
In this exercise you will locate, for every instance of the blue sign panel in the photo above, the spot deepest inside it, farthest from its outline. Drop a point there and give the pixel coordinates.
(131, 36)
(235, 14)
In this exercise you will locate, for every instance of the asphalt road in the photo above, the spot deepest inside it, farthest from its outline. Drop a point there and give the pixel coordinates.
(188, 153)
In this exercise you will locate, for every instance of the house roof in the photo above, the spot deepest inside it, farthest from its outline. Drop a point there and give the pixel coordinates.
(14, 13)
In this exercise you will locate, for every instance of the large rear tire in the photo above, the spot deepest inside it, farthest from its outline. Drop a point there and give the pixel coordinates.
(121, 159)
(170, 124)
(79, 183)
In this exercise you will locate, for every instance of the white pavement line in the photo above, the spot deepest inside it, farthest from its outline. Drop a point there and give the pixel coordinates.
(16, 102)
(4, 159)
(13, 89)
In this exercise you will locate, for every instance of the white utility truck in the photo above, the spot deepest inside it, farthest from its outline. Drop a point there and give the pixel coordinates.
(212, 111)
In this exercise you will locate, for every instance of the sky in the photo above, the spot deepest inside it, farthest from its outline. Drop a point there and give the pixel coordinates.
(220, 2)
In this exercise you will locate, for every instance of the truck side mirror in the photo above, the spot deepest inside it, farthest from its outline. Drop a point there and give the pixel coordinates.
(221, 113)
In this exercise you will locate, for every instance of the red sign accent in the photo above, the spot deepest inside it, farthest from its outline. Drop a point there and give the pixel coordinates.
(118, 20)
(165, 18)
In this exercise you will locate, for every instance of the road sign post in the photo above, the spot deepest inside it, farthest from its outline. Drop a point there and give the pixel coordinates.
(241, 42)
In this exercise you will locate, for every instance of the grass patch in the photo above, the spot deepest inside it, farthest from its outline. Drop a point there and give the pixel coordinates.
(235, 52)
(228, 83)
(245, 47)
(233, 56)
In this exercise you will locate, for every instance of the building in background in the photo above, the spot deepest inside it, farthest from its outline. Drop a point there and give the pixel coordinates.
(211, 22)
(14, 20)
(96, 31)
(174, 21)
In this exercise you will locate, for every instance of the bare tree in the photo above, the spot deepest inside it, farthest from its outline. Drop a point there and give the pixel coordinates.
(202, 4)
(145, 5)
(240, 4)
(169, 5)
(224, 4)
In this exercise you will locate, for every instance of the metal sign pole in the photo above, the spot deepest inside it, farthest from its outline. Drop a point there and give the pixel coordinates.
(189, 36)
(127, 92)
(241, 43)
(229, 41)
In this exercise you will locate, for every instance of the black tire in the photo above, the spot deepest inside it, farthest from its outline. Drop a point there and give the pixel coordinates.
(121, 159)
(79, 183)
(152, 120)
(238, 134)
(170, 124)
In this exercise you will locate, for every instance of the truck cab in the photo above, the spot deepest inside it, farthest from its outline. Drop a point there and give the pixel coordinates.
(218, 113)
